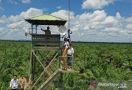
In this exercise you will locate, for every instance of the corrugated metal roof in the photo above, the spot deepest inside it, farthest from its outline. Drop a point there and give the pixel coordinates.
(46, 20)
(46, 17)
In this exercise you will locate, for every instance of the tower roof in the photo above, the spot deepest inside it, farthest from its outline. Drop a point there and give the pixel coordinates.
(46, 20)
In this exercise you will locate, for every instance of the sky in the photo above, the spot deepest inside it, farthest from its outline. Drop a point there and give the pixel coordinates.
(91, 20)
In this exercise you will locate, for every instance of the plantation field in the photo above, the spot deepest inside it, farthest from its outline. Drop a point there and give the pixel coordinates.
(95, 61)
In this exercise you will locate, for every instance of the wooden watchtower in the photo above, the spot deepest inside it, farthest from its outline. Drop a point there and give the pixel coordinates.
(44, 69)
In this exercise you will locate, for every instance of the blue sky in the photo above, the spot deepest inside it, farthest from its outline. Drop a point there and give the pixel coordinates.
(46, 5)
(111, 19)
(10, 8)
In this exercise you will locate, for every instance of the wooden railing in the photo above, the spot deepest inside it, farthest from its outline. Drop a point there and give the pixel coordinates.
(46, 40)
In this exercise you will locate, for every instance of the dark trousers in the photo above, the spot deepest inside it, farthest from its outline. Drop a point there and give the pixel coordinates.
(69, 60)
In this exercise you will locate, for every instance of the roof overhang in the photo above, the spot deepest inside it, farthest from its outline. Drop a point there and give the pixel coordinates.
(46, 20)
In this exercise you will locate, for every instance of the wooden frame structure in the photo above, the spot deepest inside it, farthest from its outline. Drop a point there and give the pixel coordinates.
(47, 43)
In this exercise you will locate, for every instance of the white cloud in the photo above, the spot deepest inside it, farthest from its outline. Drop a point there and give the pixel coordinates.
(98, 15)
(13, 1)
(95, 26)
(31, 12)
(113, 30)
(63, 14)
(25, 1)
(89, 21)
(110, 21)
(96, 4)
(2, 21)
(58, 7)
(19, 1)
(17, 21)
(129, 26)
(118, 15)
(14, 26)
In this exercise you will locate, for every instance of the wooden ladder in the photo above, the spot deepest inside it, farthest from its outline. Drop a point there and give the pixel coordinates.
(49, 71)
(51, 78)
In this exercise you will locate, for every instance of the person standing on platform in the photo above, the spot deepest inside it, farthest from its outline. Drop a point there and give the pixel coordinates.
(47, 31)
(70, 54)
(64, 53)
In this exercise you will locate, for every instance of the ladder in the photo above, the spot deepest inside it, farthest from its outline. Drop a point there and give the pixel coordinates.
(51, 71)
(43, 86)
(48, 72)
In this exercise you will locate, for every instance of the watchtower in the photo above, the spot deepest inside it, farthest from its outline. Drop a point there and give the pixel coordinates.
(46, 49)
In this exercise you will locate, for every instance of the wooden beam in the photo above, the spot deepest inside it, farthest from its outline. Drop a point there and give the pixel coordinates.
(44, 70)
(48, 80)
(45, 48)
(68, 71)
(38, 60)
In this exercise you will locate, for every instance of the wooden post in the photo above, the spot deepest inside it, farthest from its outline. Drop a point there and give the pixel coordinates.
(32, 62)
(61, 82)
(32, 59)
(32, 28)
(36, 29)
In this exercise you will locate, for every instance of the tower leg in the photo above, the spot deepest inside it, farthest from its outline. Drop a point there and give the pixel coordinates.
(32, 67)
(61, 82)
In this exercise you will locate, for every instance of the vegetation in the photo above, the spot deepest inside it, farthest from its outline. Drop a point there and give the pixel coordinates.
(14, 59)
(94, 61)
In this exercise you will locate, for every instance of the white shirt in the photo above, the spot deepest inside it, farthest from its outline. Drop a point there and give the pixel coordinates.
(70, 51)
(14, 84)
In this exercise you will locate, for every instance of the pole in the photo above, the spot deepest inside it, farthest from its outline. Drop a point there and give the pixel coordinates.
(69, 8)
(69, 31)
(32, 28)
(61, 82)
(32, 66)
(32, 59)
(36, 29)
